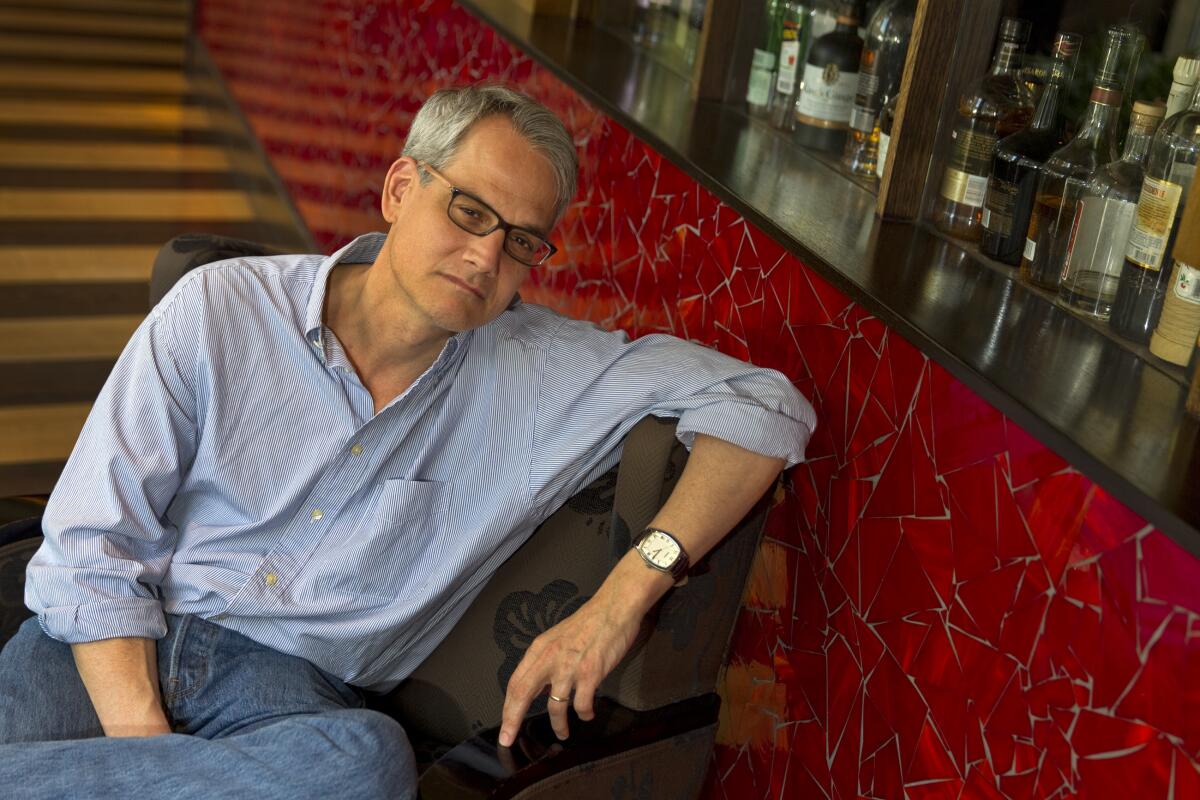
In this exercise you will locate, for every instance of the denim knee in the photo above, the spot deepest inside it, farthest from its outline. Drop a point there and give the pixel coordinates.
(42, 697)
(379, 761)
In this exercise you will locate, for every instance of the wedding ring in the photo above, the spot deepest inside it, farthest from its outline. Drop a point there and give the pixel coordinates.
(558, 699)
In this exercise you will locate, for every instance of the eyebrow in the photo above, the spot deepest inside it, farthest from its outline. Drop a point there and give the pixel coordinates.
(531, 228)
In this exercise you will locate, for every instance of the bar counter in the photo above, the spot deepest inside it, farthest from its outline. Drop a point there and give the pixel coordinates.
(1105, 405)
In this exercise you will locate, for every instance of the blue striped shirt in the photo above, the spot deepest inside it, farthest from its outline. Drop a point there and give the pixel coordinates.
(233, 466)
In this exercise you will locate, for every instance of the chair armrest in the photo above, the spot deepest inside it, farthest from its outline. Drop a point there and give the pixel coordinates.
(480, 768)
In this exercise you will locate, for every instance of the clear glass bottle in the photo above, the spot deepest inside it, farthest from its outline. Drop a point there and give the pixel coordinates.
(995, 106)
(762, 64)
(1019, 158)
(886, 116)
(830, 81)
(1096, 248)
(879, 73)
(1169, 171)
(795, 24)
(1067, 169)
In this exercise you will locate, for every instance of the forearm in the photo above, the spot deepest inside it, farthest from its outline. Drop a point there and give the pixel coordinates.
(121, 678)
(719, 485)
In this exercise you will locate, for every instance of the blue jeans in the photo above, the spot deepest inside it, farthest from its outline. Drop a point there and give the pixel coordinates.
(248, 721)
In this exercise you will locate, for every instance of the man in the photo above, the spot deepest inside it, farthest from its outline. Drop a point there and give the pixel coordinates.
(303, 469)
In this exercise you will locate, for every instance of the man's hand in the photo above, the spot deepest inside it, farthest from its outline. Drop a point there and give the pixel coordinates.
(577, 653)
(719, 484)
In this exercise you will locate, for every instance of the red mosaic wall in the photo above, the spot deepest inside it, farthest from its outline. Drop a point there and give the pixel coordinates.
(943, 607)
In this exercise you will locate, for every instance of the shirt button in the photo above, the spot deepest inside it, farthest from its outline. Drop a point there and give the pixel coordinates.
(356, 449)
(270, 578)
(317, 513)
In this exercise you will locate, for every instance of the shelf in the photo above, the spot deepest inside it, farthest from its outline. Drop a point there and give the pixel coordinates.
(1110, 409)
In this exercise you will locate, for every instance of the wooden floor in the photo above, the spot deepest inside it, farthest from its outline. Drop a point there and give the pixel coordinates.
(117, 135)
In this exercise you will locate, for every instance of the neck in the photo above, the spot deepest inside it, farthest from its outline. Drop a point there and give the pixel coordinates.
(1007, 58)
(385, 345)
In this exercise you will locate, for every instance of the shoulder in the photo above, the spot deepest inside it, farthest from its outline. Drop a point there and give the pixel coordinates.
(265, 281)
(542, 327)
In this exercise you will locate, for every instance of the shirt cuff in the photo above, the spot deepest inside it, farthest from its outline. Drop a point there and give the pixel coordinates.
(132, 617)
(752, 427)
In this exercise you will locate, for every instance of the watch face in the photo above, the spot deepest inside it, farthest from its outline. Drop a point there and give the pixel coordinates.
(659, 549)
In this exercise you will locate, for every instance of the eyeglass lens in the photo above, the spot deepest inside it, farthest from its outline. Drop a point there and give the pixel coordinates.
(474, 217)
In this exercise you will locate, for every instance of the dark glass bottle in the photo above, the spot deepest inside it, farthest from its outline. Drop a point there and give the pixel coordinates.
(1169, 171)
(879, 73)
(1019, 159)
(995, 106)
(830, 82)
(1065, 174)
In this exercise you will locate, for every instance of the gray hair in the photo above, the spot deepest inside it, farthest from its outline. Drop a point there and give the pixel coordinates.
(444, 119)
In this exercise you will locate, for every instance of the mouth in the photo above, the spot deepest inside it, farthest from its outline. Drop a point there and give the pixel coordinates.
(466, 287)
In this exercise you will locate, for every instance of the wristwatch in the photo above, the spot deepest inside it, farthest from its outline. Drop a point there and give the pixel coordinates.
(663, 552)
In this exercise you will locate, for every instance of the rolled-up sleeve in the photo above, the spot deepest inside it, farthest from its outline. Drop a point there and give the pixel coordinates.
(598, 384)
(105, 546)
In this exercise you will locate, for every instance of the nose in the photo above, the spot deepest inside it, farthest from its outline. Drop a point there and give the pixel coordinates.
(485, 252)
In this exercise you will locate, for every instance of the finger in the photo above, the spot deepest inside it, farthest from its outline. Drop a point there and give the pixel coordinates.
(557, 704)
(585, 694)
(522, 688)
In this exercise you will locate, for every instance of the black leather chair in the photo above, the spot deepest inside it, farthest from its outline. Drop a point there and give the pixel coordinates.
(656, 714)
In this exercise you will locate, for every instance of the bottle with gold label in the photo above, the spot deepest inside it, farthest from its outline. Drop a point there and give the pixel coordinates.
(997, 105)
(1169, 170)
(879, 73)
(830, 82)
(1067, 170)
(1179, 325)
(1096, 246)
(1019, 159)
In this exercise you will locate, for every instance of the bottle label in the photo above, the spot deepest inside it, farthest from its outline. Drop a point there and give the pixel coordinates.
(998, 206)
(1152, 225)
(789, 57)
(827, 96)
(1099, 234)
(964, 188)
(866, 97)
(970, 164)
(881, 157)
(1030, 249)
(1187, 283)
(759, 90)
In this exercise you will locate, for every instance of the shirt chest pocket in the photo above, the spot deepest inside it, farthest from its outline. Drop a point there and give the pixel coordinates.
(382, 558)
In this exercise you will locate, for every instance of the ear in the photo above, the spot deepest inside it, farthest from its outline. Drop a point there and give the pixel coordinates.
(402, 178)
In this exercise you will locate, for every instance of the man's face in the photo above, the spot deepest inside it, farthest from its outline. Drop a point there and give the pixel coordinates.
(445, 277)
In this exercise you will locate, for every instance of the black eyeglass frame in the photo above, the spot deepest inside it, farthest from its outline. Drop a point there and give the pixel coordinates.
(501, 223)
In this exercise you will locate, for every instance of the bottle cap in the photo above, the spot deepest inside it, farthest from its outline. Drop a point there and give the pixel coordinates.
(1187, 70)
(1066, 45)
(1146, 108)
(1014, 29)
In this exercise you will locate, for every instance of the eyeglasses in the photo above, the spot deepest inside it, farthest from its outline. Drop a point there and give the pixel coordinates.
(476, 217)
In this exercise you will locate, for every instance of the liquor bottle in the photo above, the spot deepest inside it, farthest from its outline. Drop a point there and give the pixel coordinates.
(1096, 246)
(794, 23)
(830, 80)
(1019, 158)
(1178, 326)
(1067, 169)
(824, 17)
(762, 65)
(1169, 170)
(1183, 84)
(995, 106)
(879, 73)
(886, 115)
